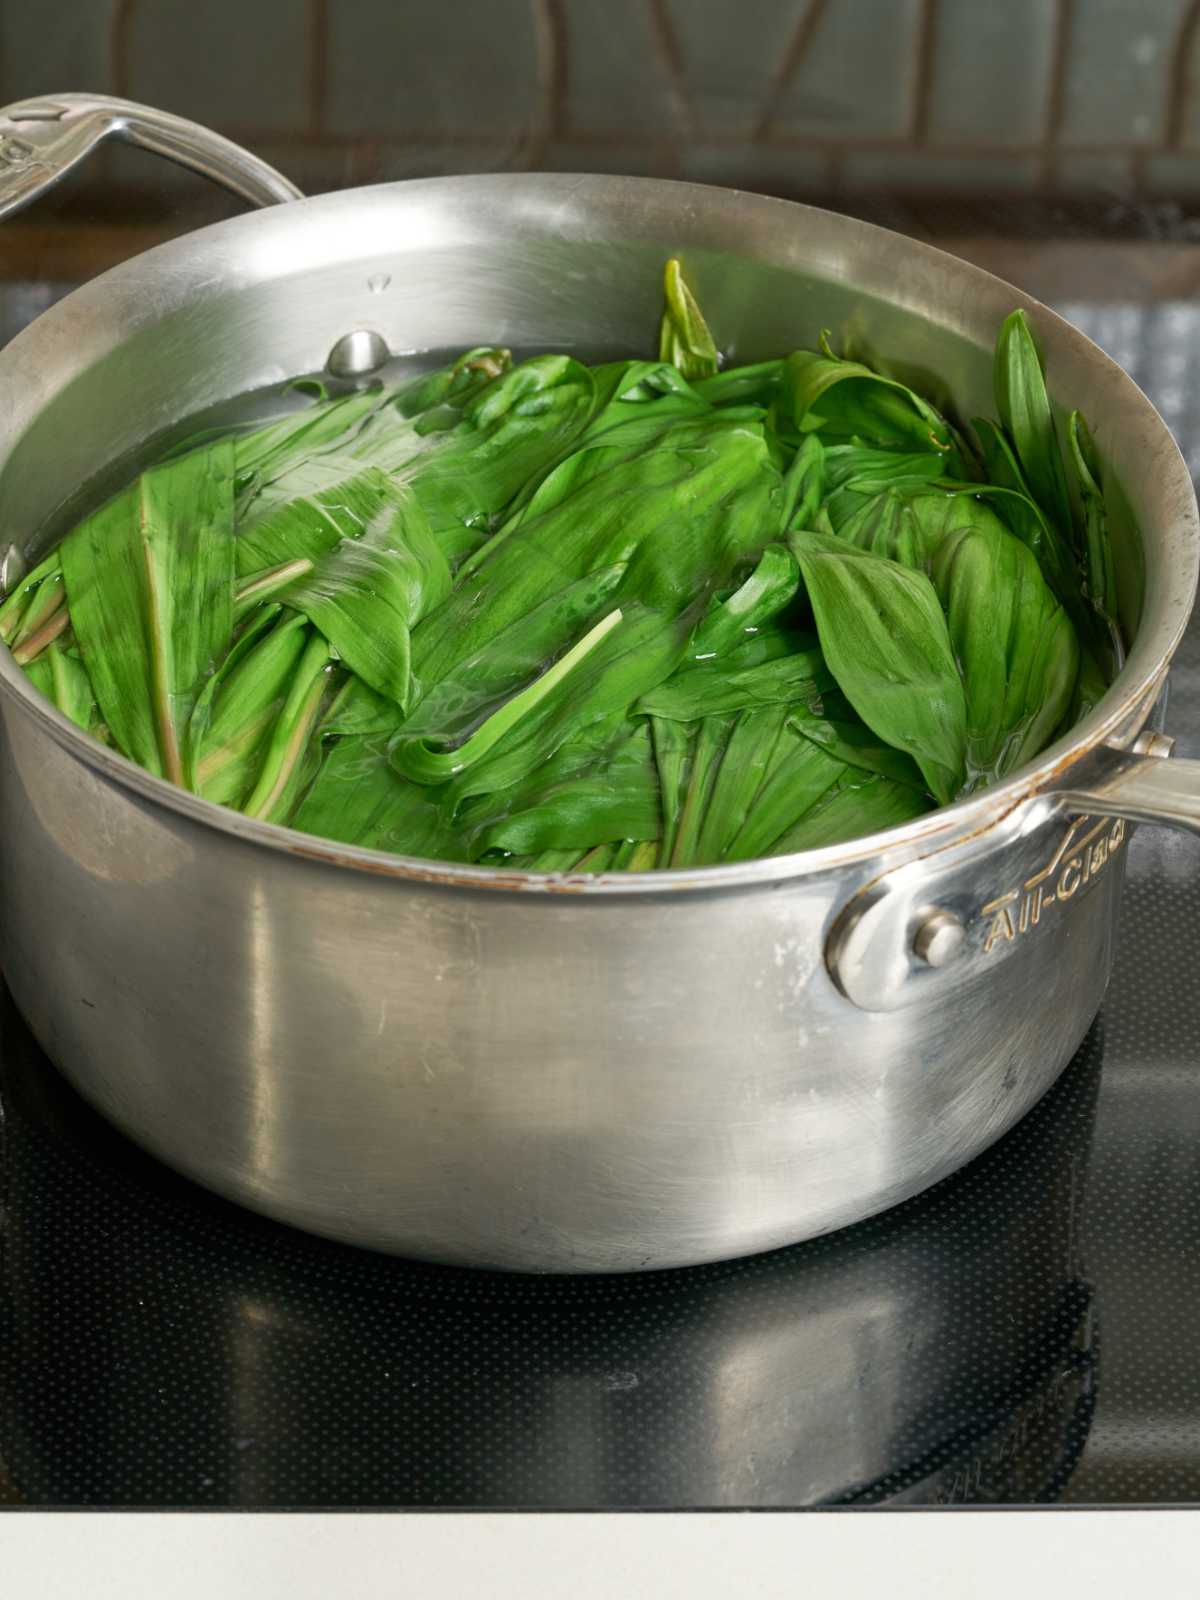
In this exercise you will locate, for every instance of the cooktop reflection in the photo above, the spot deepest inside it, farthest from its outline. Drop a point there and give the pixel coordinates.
(1021, 1333)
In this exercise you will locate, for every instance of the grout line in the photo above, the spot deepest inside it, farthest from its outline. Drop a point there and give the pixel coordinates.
(789, 62)
(550, 54)
(1057, 93)
(554, 40)
(925, 56)
(670, 56)
(1179, 78)
(119, 33)
(318, 64)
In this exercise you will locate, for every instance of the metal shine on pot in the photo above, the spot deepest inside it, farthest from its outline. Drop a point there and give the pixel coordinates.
(532, 1072)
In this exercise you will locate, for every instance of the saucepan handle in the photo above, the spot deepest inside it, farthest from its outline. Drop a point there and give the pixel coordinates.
(1141, 786)
(42, 140)
(918, 932)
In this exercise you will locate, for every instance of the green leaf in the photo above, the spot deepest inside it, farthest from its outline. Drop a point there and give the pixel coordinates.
(712, 689)
(149, 582)
(508, 434)
(420, 760)
(684, 339)
(850, 809)
(885, 525)
(751, 747)
(540, 861)
(634, 855)
(16, 603)
(237, 712)
(589, 704)
(266, 452)
(844, 399)
(478, 685)
(885, 641)
(1010, 496)
(803, 485)
(1014, 643)
(867, 470)
(754, 385)
(358, 709)
(673, 742)
(358, 798)
(614, 796)
(308, 512)
(599, 858)
(1025, 415)
(799, 772)
(681, 510)
(59, 673)
(1099, 571)
(1091, 686)
(368, 593)
(259, 587)
(292, 752)
(832, 723)
(763, 594)
(708, 751)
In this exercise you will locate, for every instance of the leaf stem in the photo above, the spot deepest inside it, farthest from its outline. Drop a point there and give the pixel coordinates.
(296, 722)
(418, 760)
(32, 647)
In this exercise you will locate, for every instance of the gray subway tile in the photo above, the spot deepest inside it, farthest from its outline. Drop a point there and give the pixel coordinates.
(991, 72)
(432, 68)
(222, 62)
(856, 77)
(1118, 68)
(730, 55)
(618, 79)
(55, 47)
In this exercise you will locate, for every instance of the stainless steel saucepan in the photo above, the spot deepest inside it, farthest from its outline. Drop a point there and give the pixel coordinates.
(548, 1072)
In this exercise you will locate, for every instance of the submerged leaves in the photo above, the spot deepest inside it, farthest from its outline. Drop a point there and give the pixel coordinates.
(641, 615)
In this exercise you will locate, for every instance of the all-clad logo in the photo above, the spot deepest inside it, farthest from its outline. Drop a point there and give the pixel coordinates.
(1080, 857)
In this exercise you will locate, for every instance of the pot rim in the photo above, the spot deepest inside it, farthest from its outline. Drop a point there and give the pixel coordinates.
(1133, 690)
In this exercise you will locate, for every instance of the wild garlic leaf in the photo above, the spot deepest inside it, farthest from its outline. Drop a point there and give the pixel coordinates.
(885, 641)
(1015, 644)
(684, 339)
(149, 581)
(1025, 415)
(368, 593)
(845, 400)
(1099, 570)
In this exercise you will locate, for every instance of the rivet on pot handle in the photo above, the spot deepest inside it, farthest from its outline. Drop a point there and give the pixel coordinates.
(926, 927)
(42, 140)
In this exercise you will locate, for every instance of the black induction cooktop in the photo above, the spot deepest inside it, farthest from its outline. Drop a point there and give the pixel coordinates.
(1023, 1333)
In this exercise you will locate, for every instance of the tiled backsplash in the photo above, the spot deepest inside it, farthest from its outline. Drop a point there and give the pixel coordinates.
(797, 97)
